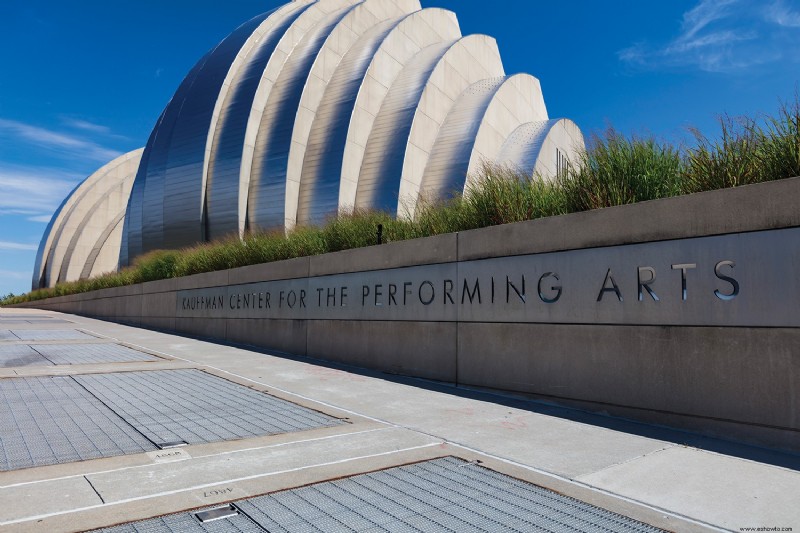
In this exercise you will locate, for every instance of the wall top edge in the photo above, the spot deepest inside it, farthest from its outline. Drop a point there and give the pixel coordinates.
(757, 207)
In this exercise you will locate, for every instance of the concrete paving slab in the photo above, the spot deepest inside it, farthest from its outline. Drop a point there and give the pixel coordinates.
(202, 472)
(729, 492)
(56, 496)
(562, 447)
(641, 470)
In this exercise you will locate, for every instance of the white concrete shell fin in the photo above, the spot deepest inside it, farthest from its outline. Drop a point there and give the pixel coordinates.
(85, 234)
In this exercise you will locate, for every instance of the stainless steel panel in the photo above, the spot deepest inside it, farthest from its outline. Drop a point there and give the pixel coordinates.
(446, 171)
(743, 280)
(132, 231)
(183, 175)
(267, 196)
(222, 201)
(382, 166)
(171, 169)
(322, 165)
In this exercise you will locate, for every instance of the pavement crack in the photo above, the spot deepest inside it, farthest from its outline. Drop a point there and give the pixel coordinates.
(667, 447)
(95, 490)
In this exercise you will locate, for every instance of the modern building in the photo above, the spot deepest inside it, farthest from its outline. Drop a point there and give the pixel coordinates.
(316, 108)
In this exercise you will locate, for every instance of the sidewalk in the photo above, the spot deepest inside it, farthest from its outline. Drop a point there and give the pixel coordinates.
(670, 479)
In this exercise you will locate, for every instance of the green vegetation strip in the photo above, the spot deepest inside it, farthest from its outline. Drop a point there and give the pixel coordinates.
(615, 170)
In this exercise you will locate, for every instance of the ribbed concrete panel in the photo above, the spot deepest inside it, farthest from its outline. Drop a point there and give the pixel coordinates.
(44, 259)
(268, 187)
(377, 183)
(76, 229)
(106, 251)
(325, 107)
(563, 145)
(225, 198)
(535, 148)
(46, 241)
(408, 53)
(470, 60)
(518, 101)
(111, 200)
(447, 166)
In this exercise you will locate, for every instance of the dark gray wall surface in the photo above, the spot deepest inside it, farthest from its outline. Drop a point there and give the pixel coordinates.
(710, 363)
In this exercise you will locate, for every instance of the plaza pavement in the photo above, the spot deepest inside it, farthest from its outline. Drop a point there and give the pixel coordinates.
(674, 480)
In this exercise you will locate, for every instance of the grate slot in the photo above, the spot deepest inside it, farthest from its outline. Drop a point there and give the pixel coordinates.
(218, 513)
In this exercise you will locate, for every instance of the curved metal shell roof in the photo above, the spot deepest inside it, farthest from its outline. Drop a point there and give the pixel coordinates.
(313, 109)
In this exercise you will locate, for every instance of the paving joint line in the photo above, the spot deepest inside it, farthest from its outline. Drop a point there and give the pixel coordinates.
(215, 483)
(93, 395)
(211, 455)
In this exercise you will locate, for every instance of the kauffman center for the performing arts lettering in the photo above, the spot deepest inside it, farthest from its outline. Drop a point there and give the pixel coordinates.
(731, 280)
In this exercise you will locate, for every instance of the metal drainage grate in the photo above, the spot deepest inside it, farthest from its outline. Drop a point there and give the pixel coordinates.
(50, 334)
(11, 322)
(49, 420)
(67, 354)
(25, 316)
(445, 494)
(189, 523)
(20, 355)
(76, 354)
(195, 407)
(54, 420)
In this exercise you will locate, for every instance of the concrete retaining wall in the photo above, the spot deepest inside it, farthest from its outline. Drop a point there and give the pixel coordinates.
(725, 363)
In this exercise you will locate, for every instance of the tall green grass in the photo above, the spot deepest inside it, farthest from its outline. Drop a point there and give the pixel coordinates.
(615, 170)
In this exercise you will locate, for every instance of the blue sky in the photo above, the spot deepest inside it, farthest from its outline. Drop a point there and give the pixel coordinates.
(84, 81)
